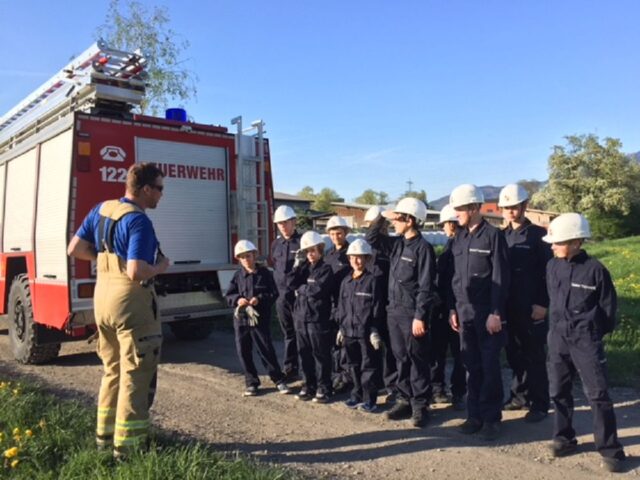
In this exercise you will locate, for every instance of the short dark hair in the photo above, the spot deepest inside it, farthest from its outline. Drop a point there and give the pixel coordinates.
(141, 174)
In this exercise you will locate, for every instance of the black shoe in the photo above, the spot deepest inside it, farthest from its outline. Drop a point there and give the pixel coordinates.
(613, 464)
(490, 431)
(458, 403)
(305, 394)
(562, 449)
(321, 397)
(513, 405)
(419, 417)
(535, 416)
(469, 426)
(400, 411)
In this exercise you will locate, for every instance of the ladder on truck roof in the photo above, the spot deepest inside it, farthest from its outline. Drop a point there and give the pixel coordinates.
(101, 77)
(252, 214)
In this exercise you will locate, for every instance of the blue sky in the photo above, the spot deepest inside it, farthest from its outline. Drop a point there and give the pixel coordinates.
(371, 94)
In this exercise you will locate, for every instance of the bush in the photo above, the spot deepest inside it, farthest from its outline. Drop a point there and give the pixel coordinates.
(614, 225)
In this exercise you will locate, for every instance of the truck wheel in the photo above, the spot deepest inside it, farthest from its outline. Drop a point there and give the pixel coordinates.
(22, 328)
(192, 329)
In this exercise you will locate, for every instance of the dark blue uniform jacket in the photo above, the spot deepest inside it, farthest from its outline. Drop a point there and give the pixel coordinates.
(528, 257)
(480, 270)
(283, 254)
(445, 272)
(412, 272)
(314, 287)
(339, 263)
(581, 295)
(359, 308)
(259, 284)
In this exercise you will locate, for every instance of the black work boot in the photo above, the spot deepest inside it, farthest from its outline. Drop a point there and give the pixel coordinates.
(399, 411)
(490, 431)
(419, 417)
(470, 425)
(563, 449)
(614, 464)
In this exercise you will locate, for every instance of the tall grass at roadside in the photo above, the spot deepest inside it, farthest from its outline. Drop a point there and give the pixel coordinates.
(42, 437)
(622, 259)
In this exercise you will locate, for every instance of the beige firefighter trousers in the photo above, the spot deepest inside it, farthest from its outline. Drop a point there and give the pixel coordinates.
(129, 341)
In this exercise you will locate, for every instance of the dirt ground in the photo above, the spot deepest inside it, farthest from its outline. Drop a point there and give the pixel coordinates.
(200, 395)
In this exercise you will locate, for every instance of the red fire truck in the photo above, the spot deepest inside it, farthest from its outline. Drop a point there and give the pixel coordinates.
(67, 147)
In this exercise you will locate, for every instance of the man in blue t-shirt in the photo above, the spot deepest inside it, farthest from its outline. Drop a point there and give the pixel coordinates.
(119, 236)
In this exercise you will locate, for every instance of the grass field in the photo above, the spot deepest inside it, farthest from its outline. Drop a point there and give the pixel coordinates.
(42, 437)
(622, 259)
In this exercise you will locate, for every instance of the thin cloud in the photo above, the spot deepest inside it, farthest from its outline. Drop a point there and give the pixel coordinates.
(375, 158)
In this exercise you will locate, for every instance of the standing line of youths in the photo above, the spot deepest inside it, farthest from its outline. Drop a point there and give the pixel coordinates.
(374, 313)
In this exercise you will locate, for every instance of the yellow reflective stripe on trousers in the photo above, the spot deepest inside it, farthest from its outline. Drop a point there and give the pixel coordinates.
(133, 424)
(128, 440)
(106, 412)
(106, 421)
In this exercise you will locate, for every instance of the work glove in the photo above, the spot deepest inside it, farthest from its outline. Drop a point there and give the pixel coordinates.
(340, 338)
(375, 339)
(253, 315)
(300, 258)
(237, 313)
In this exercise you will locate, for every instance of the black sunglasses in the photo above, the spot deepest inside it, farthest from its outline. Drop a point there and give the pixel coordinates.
(157, 187)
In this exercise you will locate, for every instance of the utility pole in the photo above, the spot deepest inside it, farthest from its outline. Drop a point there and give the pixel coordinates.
(410, 184)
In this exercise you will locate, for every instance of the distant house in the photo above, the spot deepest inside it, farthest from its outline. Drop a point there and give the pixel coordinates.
(490, 206)
(540, 217)
(295, 202)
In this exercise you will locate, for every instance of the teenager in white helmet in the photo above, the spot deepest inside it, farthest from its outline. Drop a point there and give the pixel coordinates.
(359, 316)
(443, 338)
(336, 258)
(479, 288)
(582, 309)
(283, 253)
(252, 292)
(526, 306)
(379, 265)
(314, 285)
(412, 297)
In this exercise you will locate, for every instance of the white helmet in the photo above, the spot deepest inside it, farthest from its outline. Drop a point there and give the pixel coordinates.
(337, 222)
(512, 195)
(243, 246)
(359, 247)
(310, 239)
(283, 213)
(465, 194)
(568, 226)
(448, 214)
(373, 213)
(411, 206)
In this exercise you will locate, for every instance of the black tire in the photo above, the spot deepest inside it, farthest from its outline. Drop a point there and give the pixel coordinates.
(192, 329)
(23, 329)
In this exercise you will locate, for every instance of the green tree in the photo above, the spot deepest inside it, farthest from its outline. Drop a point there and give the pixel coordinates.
(307, 193)
(371, 197)
(321, 200)
(129, 26)
(324, 198)
(594, 178)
